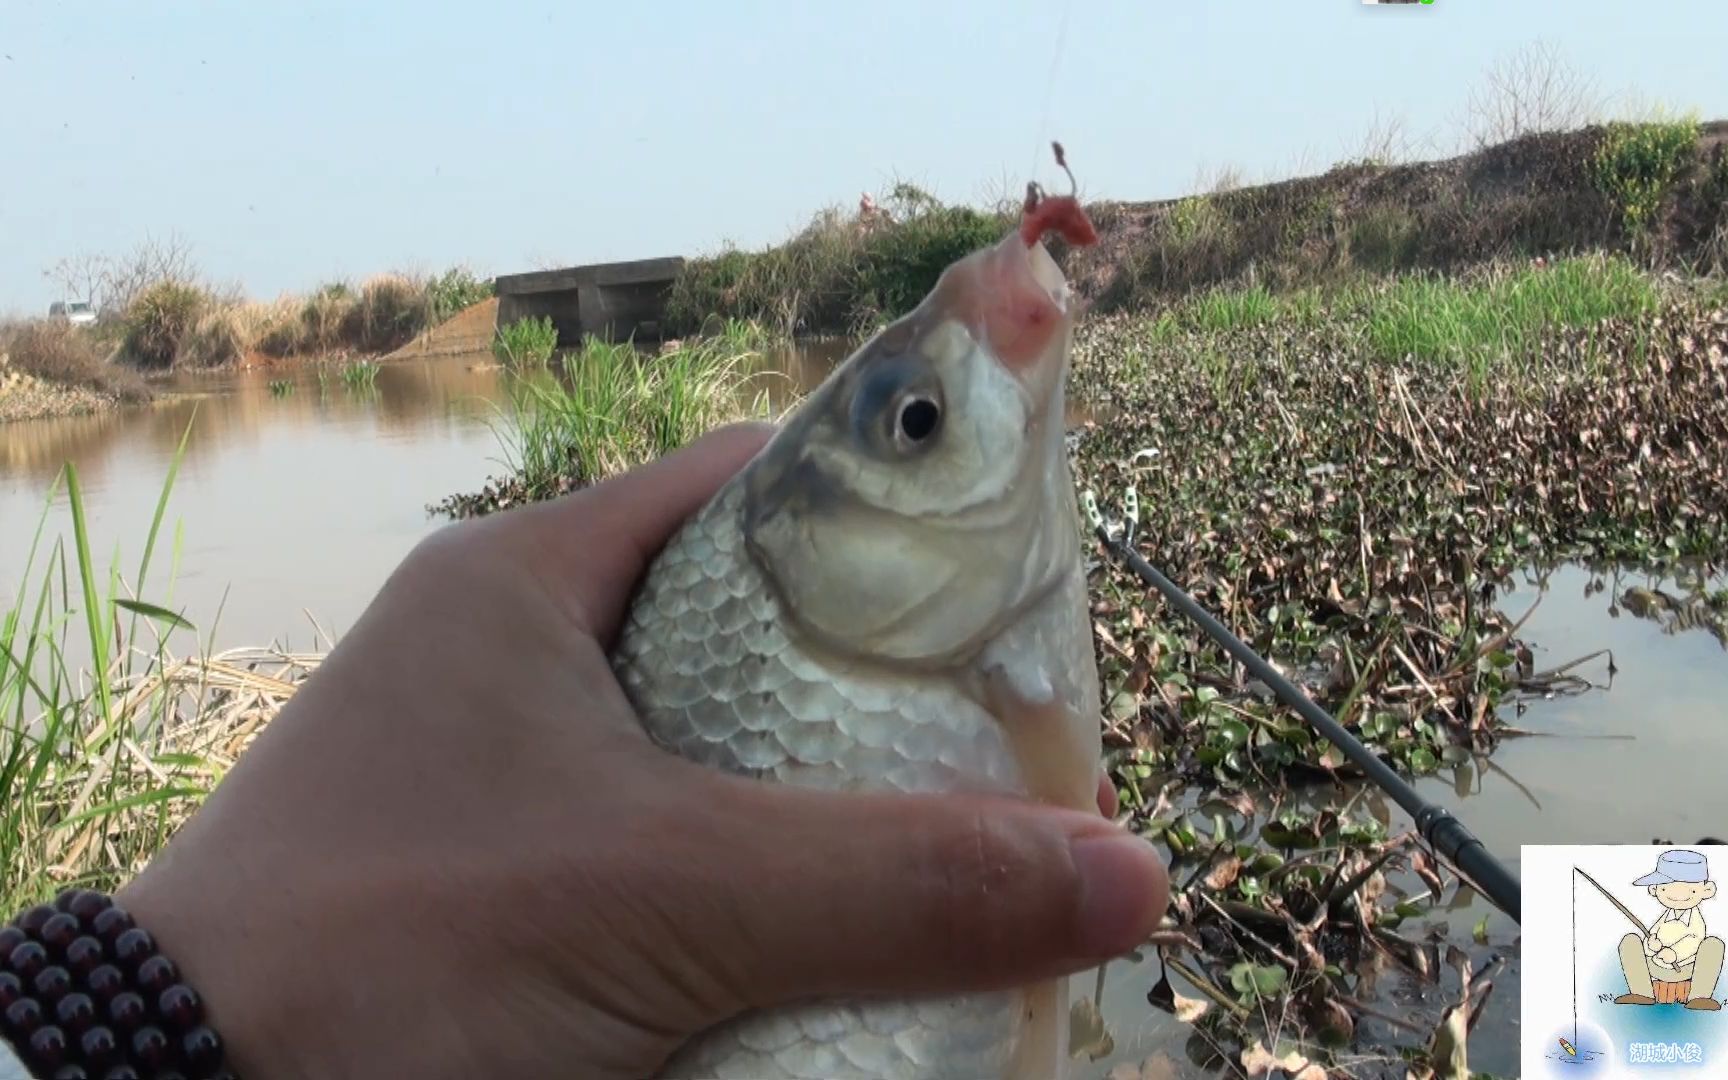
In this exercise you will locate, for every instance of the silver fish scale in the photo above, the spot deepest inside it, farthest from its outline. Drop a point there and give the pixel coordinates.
(714, 677)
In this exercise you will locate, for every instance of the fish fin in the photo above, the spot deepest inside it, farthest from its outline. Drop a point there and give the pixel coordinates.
(1056, 765)
(1041, 1053)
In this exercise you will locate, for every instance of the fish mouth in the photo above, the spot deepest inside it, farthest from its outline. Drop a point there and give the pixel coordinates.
(1015, 304)
(1027, 310)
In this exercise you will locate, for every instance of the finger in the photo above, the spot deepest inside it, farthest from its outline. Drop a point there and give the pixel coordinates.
(935, 893)
(599, 541)
(1107, 804)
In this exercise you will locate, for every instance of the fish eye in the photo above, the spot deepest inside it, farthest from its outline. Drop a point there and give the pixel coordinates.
(918, 420)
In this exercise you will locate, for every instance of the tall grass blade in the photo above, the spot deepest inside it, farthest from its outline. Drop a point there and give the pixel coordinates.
(92, 608)
(152, 611)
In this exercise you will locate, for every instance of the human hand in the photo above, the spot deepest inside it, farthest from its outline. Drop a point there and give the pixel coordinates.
(1667, 955)
(455, 853)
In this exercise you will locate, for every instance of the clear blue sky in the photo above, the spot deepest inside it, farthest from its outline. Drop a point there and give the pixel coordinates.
(293, 143)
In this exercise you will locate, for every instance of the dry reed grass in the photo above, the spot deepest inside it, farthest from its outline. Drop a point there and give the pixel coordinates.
(108, 739)
(189, 720)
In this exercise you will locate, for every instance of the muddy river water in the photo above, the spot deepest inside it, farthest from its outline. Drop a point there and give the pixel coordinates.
(296, 506)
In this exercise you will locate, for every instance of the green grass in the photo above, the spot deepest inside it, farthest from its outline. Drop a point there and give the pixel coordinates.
(611, 408)
(1494, 316)
(360, 374)
(525, 342)
(99, 763)
(281, 387)
(1503, 315)
(745, 335)
(1228, 309)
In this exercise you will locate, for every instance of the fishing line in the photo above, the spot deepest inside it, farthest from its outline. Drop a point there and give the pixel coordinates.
(1447, 834)
(1050, 88)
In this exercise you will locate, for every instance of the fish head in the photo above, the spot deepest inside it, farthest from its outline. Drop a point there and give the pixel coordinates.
(920, 499)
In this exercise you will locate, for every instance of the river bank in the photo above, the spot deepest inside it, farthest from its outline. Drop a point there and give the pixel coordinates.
(167, 322)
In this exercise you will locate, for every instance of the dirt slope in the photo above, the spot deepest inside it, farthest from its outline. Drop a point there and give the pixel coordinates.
(469, 330)
(1535, 195)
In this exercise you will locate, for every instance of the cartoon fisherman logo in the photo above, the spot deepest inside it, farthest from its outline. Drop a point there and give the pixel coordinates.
(1645, 967)
(1676, 960)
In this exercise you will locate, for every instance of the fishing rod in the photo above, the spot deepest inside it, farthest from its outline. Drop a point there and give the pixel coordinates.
(1447, 834)
(1624, 910)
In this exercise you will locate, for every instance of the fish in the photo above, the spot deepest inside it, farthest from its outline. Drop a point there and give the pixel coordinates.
(891, 596)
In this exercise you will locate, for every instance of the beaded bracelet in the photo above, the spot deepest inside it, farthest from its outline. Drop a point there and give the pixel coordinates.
(86, 994)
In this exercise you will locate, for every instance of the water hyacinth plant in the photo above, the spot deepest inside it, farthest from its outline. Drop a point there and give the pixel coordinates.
(360, 374)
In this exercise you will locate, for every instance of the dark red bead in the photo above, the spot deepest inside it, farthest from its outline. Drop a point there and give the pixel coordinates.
(31, 921)
(58, 931)
(133, 947)
(28, 958)
(52, 983)
(48, 1045)
(63, 899)
(98, 1045)
(122, 1072)
(157, 974)
(10, 938)
(71, 1072)
(180, 1006)
(75, 1012)
(24, 1016)
(85, 954)
(127, 1010)
(110, 923)
(11, 988)
(202, 1047)
(88, 904)
(150, 1046)
(104, 982)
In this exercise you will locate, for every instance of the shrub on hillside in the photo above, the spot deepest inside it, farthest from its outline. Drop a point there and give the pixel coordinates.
(159, 321)
(226, 334)
(1637, 165)
(61, 353)
(390, 311)
(898, 266)
(326, 317)
(453, 291)
(841, 272)
(281, 330)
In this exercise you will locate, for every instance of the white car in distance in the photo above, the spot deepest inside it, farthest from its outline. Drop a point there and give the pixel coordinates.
(76, 312)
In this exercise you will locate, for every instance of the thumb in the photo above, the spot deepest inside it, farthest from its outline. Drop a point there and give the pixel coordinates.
(851, 893)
